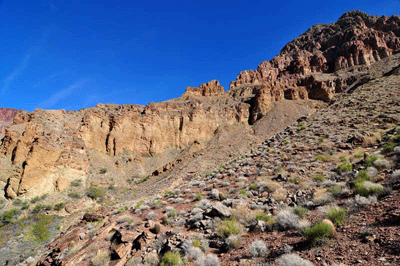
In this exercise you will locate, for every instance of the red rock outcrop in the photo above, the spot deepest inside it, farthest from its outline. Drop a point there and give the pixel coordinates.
(313, 60)
(6, 117)
(211, 88)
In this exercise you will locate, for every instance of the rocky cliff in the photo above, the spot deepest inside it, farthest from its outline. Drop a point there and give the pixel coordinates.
(49, 149)
(310, 65)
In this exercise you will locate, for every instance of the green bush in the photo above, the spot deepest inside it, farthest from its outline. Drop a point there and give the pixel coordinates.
(103, 171)
(388, 148)
(319, 232)
(319, 177)
(344, 167)
(76, 183)
(368, 188)
(199, 197)
(254, 186)
(74, 195)
(243, 192)
(40, 230)
(337, 215)
(335, 191)
(17, 202)
(140, 203)
(300, 211)
(59, 206)
(263, 217)
(370, 161)
(25, 205)
(323, 158)
(229, 227)
(95, 193)
(8, 216)
(35, 199)
(171, 259)
(41, 207)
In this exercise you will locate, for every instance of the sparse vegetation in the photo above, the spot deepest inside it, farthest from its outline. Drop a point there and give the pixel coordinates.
(103, 171)
(344, 167)
(229, 227)
(258, 249)
(171, 259)
(95, 193)
(337, 215)
(300, 211)
(388, 147)
(199, 197)
(319, 232)
(292, 260)
(370, 161)
(286, 219)
(59, 206)
(76, 183)
(263, 217)
(319, 177)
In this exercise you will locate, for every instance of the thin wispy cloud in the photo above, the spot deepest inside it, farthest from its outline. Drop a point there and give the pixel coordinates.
(17, 71)
(25, 61)
(48, 78)
(62, 94)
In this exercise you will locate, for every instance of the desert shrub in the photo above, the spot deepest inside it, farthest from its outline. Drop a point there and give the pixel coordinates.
(151, 215)
(370, 161)
(101, 259)
(196, 242)
(171, 259)
(124, 219)
(368, 188)
(59, 206)
(263, 217)
(194, 253)
(323, 158)
(229, 227)
(337, 215)
(388, 147)
(343, 158)
(243, 192)
(172, 213)
(254, 186)
(319, 232)
(335, 191)
(300, 211)
(362, 176)
(292, 260)
(103, 171)
(95, 193)
(40, 230)
(8, 216)
(17, 202)
(41, 207)
(211, 260)
(258, 249)
(199, 197)
(362, 201)
(25, 205)
(140, 203)
(286, 219)
(74, 195)
(232, 242)
(344, 167)
(319, 178)
(151, 259)
(35, 199)
(76, 183)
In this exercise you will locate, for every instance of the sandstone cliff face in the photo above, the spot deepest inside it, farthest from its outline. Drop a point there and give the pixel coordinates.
(48, 149)
(312, 62)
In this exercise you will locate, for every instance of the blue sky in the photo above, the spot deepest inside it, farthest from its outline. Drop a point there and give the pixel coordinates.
(74, 54)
